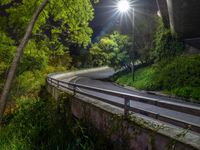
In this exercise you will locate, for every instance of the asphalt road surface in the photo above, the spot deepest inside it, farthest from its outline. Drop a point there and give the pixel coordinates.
(92, 79)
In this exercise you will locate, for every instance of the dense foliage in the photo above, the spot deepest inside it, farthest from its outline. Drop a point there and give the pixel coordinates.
(112, 50)
(60, 25)
(59, 17)
(43, 124)
(166, 45)
(170, 71)
(32, 121)
(145, 79)
(7, 50)
(179, 76)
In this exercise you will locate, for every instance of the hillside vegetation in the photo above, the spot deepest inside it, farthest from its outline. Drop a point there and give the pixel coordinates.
(180, 77)
(42, 124)
(170, 71)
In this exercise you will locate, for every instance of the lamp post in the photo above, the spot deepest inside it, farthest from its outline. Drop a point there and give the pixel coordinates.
(124, 6)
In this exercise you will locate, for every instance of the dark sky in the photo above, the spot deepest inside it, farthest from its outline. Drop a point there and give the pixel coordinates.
(103, 17)
(105, 20)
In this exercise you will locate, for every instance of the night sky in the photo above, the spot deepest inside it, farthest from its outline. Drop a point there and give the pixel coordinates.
(105, 20)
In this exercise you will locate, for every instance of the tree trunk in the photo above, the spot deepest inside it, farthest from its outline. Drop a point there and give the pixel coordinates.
(16, 59)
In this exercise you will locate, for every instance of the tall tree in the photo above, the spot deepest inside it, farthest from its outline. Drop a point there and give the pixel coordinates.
(62, 22)
(111, 50)
(17, 57)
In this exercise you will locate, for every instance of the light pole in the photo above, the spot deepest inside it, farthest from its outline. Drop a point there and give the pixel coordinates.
(124, 6)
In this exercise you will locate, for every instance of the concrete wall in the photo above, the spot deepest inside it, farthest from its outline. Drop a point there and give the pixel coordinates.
(136, 133)
(185, 17)
(162, 7)
(123, 132)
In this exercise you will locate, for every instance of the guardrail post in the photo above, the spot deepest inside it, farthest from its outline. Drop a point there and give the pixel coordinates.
(74, 86)
(51, 81)
(126, 105)
(58, 83)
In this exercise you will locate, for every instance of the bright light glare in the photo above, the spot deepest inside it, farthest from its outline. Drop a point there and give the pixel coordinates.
(123, 6)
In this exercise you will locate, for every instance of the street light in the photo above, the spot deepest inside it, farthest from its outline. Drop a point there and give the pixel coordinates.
(124, 6)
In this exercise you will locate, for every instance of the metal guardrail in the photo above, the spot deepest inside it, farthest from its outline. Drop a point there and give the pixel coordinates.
(130, 97)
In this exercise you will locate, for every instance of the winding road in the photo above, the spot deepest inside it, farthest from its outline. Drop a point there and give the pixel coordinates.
(94, 80)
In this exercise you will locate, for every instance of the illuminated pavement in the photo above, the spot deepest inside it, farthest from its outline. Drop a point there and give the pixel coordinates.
(90, 79)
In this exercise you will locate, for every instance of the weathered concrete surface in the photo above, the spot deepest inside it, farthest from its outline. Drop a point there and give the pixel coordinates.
(136, 133)
(185, 17)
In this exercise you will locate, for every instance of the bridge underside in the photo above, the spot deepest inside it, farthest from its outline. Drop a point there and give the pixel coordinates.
(182, 15)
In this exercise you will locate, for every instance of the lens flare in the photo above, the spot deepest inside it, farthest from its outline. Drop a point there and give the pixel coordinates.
(123, 6)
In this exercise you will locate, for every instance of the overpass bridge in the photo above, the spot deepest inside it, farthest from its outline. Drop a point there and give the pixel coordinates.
(182, 16)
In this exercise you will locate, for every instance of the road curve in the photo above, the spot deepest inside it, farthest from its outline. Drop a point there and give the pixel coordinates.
(92, 79)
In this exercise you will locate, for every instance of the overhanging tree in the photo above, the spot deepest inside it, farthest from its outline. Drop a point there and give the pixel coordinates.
(15, 62)
(74, 16)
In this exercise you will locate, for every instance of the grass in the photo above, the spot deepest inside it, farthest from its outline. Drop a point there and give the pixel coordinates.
(145, 79)
(179, 77)
(43, 124)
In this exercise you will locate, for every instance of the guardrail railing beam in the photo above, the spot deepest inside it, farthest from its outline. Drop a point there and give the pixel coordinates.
(126, 105)
(74, 89)
(131, 97)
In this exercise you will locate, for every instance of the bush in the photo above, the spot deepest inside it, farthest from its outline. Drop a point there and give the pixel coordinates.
(7, 51)
(179, 76)
(187, 92)
(145, 79)
(166, 45)
(181, 72)
(182, 77)
(42, 124)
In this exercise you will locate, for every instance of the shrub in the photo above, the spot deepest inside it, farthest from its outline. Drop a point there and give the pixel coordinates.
(166, 45)
(43, 124)
(47, 124)
(145, 78)
(181, 72)
(187, 92)
(179, 76)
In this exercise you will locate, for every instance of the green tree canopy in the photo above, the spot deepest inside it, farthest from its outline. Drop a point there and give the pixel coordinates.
(59, 24)
(73, 17)
(112, 50)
